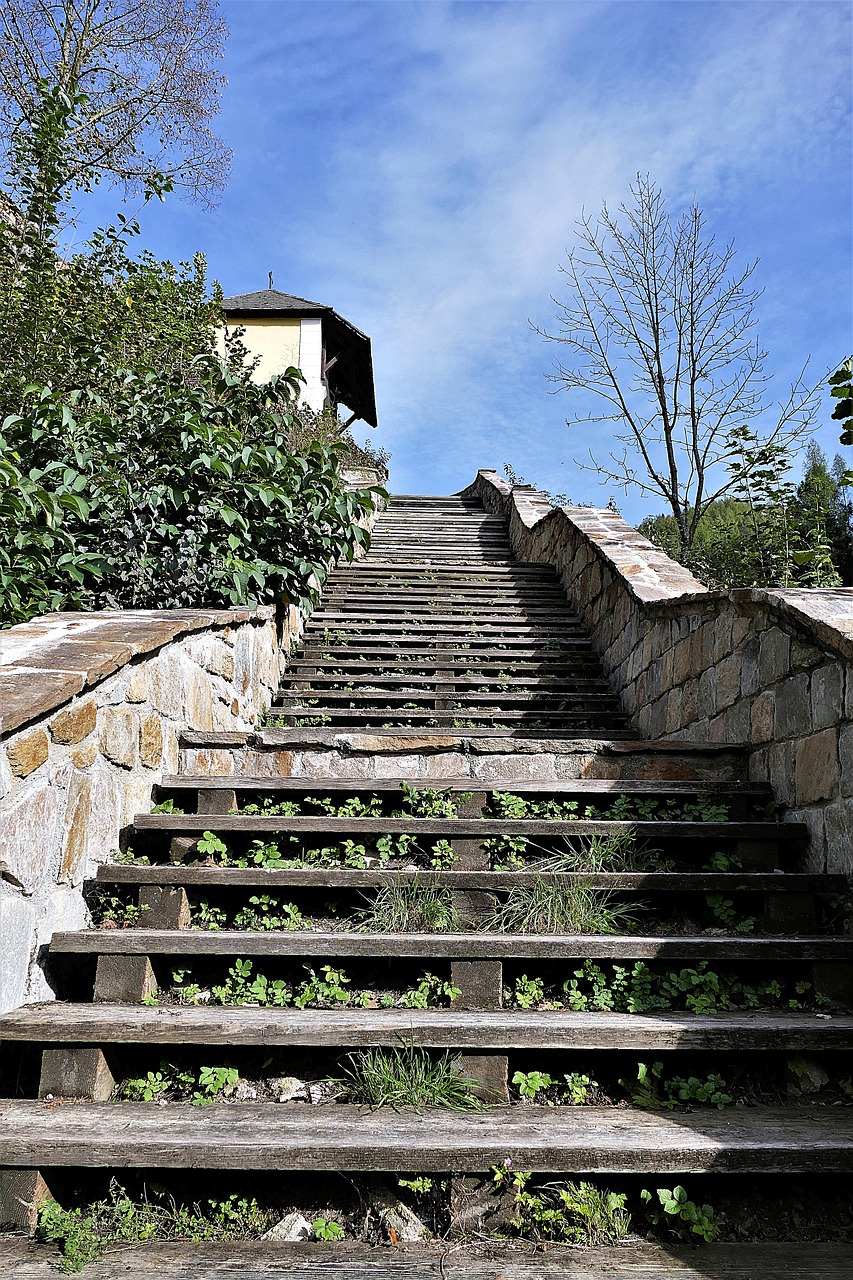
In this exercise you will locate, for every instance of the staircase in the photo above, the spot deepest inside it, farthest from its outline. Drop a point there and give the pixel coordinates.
(438, 636)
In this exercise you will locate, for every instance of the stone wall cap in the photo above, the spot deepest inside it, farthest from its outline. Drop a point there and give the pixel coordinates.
(47, 661)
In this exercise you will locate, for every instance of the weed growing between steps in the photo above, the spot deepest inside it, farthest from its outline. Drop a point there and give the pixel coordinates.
(408, 1076)
(91, 1217)
(644, 988)
(326, 988)
(85, 1235)
(550, 905)
(411, 906)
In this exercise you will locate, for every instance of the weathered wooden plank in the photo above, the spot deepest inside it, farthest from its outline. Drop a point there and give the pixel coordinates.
(428, 715)
(257, 1260)
(340, 1137)
(786, 832)
(543, 697)
(102, 1024)
(767, 882)
(473, 946)
(564, 786)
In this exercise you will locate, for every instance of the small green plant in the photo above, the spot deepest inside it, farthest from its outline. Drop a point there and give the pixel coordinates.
(726, 915)
(530, 1083)
(328, 988)
(203, 915)
(84, 1234)
(168, 806)
(211, 845)
(443, 856)
(577, 1212)
(213, 1082)
(428, 992)
(578, 1088)
(410, 905)
(407, 1077)
(146, 1088)
(265, 913)
(114, 912)
(326, 1229)
(240, 987)
(429, 802)
(681, 1215)
(528, 992)
(652, 1090)
(421, 1186)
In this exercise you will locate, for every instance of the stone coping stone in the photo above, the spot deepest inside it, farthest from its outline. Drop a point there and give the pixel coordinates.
(45, 662)
(401, 742)
(823, 614)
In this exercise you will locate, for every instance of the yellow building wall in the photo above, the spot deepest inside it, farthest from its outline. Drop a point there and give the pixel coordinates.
(276, 341)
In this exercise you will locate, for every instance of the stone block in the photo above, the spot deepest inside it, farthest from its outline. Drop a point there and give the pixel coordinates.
(491, 1074)
(29, 836)
(164, 907)
(85, 757)
(761, 720)
(774, 656)
(78, 809)
(816, 770)
(717, 729)
(124, 979)
(750, 681)
(137, 687)
(707, 695)
(781, 759)
(793, 707)
(74, 723)
(21, 1193)
(118, 737)
(151, 741)
(845, 756)
(728, 681)
(197, 700)
(738, 721)
(480, 983)
(18, 931)
(27, 752)
(75, 1073)
(165, 684)
(827, 695)
(838, 819)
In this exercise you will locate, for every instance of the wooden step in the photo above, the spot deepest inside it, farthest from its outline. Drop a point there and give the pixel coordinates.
(791, 833)
(347, 1138)
(568, 787)
(492, 881)
(59, 1023)
(570, 700)
(443, 1260)
(379, 679)
(453, 946)
(430, 716)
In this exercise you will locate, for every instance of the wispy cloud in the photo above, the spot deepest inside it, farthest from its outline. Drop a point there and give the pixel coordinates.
(421, 166)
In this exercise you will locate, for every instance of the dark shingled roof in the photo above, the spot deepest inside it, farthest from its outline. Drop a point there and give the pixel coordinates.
(266, 301)
(350, 378)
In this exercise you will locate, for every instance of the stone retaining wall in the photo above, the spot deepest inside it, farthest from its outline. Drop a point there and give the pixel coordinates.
(772, 669)
(91, 706)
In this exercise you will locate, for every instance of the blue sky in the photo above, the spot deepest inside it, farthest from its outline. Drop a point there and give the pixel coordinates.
(420, 167)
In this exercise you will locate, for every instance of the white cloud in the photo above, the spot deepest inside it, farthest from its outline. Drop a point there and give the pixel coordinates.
(456, 144)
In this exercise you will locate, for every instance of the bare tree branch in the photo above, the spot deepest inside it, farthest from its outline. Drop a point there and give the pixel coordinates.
(659, 328)
(149, 73)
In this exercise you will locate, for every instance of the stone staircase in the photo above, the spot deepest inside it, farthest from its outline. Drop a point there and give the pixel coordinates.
(440, 648)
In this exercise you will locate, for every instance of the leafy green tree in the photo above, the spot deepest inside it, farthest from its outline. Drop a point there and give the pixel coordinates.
(136, 469)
